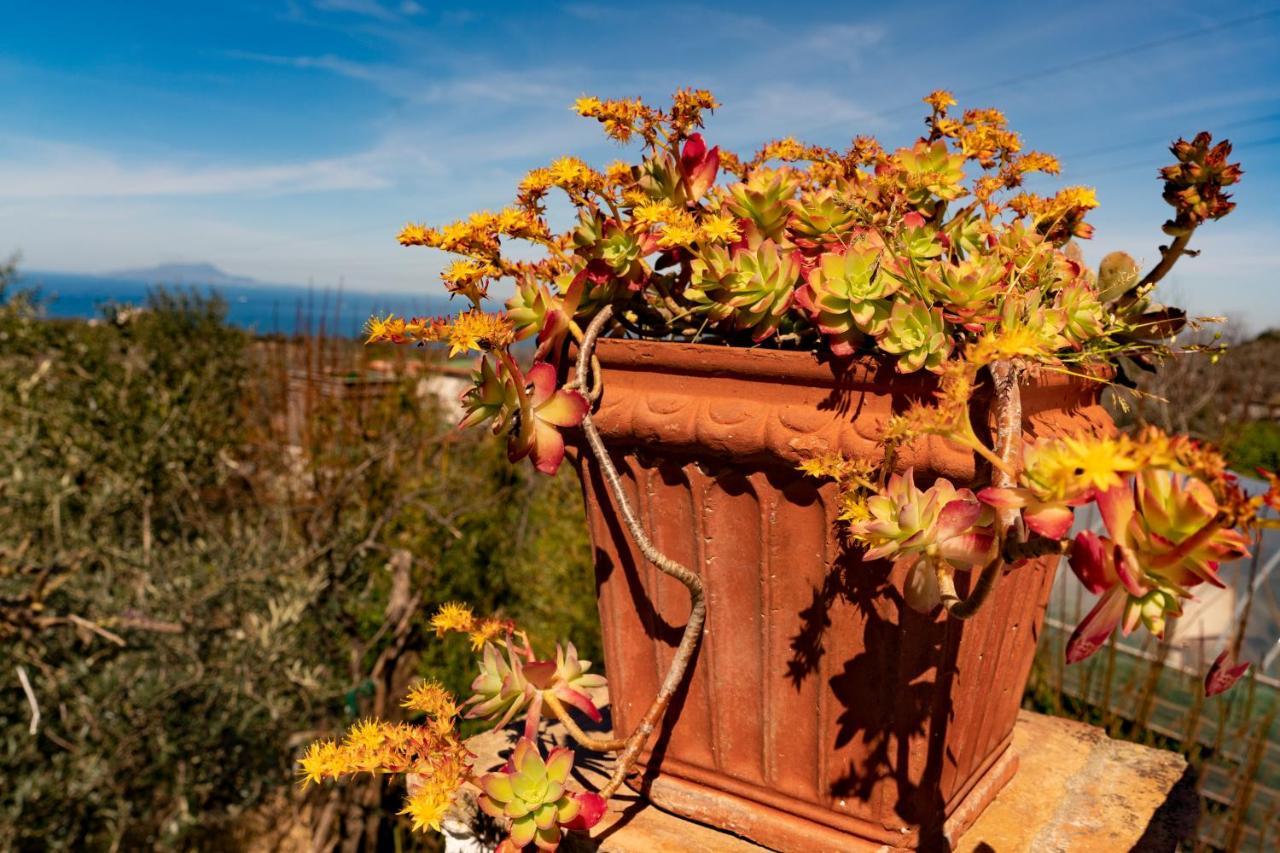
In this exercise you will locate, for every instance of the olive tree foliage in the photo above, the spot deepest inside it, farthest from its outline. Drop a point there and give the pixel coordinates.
(188, 593)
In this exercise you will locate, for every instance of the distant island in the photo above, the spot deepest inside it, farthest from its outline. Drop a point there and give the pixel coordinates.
(199, 273)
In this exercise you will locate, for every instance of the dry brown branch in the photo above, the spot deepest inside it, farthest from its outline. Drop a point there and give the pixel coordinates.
(1006, 409)
(1168, 257)
(698, 606)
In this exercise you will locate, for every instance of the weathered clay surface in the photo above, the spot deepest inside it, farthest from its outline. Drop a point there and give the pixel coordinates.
(820, 706)
(1075, 790)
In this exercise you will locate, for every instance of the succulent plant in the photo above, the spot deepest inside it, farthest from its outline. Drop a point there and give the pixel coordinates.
(623, 251)
(508, 684)
(1165, 535)
(573, 680)
(1083, 317)
(754, 284)
(714, 279)
(528, 308)
(762, 297)
(846, 295)
(500, 691)
(917, 334)
(950, 272)
(544, 410)
(763, 199)
(490, 397)
(920, 240)
(819, 219)
(531, 794)
(929, 171)
(967, 289)
(589, 231)
(659, 177)
(941, 523)
(1223, 673)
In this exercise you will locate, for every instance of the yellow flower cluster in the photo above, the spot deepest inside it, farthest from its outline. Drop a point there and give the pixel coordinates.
(733, 164)
(687, 106)
(853, 477)
(458, 618)
(472, 330)
(1067, 467)
(1070, 466)
(680, 228)
(621, 118)
(435, 760)
(1040, 208)
(431, 698)
(947, 414)
(984, 137)
(1035, 161)
(478, 331)
(478, 235)
(398, 330)
(1012, 339)
(719, 228)
(940, 99)
(573, 175)
(469, 277)
(418, 235)
(452, 616)
(1060, 217)
(791, 150)
(618, 174)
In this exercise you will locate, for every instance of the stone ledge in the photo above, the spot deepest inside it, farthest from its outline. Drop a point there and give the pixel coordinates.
(1076, 789)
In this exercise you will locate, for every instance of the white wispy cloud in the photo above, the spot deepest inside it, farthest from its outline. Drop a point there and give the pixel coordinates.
(41, 168)
(425, 86)
(371, 8)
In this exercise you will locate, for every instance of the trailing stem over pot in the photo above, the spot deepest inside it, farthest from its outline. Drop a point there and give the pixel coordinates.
(932, 257)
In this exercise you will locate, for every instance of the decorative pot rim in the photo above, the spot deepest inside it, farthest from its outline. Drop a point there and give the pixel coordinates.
(798, 367)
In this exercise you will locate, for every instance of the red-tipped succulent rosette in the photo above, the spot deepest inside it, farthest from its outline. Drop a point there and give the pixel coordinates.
(545, 409)
(1165, 535)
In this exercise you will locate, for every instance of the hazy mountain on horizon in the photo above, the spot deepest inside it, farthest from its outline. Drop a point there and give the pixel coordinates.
(179, 273)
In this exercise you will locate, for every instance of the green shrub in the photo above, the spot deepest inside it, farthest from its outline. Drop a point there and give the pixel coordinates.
(194, 593)
(1254, 445)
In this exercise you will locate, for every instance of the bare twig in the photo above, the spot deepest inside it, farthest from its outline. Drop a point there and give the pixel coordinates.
(31, 700)
(1006, 408)
(88, 625)
(593, 742)
(636, 741)
(1168, 257)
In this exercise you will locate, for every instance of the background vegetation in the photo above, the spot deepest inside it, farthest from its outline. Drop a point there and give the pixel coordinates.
(215, 549)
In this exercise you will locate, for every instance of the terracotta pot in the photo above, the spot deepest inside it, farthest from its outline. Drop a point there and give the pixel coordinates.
(821, 713)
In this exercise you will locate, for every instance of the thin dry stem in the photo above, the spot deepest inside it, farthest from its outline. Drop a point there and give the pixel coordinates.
(31, 699)
(1168, 257)
(1006, 410)
(698, 606)
(593, 742)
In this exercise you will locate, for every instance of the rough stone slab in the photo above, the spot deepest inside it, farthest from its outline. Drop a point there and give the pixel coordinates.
(1075, 790)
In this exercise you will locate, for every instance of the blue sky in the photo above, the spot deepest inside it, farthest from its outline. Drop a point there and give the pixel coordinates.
(290, 140)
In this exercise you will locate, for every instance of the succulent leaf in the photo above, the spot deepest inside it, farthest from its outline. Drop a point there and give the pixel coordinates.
(530, 793)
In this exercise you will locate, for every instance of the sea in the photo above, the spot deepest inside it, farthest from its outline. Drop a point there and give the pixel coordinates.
(261, 308)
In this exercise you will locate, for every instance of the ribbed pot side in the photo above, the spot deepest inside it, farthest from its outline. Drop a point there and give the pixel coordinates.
(822, 713)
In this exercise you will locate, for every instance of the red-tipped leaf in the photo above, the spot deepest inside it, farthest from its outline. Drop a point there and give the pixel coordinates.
(1223, 673)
